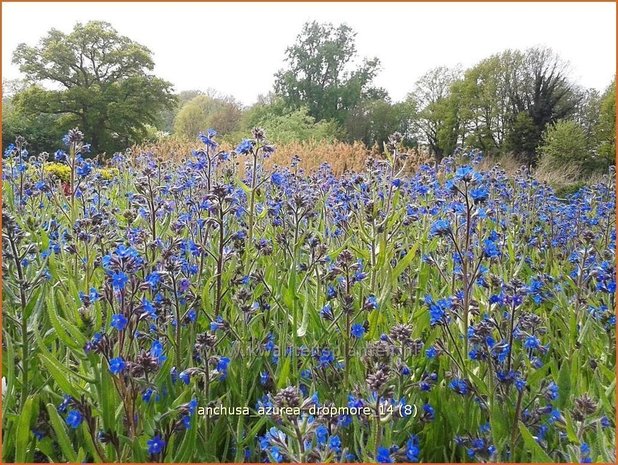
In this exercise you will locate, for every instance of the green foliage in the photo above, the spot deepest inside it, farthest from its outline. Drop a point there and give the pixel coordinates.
(298, 125)
(42, 131)
(606, 129)
(373, 121)
(284, 124)
(319, 76)
(103, 84)
(437, 117)
(566, 142)
(203, 112)
(509, 99)
(522, 137)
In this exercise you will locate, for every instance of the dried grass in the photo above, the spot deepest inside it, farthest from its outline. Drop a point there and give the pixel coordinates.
(341, 156)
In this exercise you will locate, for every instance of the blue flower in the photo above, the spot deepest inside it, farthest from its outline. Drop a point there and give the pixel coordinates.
(185, 377)
(384, 455)
(147, 394)
(428, 412)
(156, 351)
(321, 434)
(74, 419)
(222, 365)
(479, 194)
(460, 386)
(327, 312)
(156, 444)
(532, 342)
(119, 280)
(490, 249)
(84, 170)
(117, 365)
(412, 449)
(438, 310)
(326, 357)
(466, 174)
(217, 323)
(357, 330)
(119, 321)
(153, 279)
(371, 303)
(334, 443)
(440, 228)
(277, 179)
(244, 147)
(432, 352)
(207, 138)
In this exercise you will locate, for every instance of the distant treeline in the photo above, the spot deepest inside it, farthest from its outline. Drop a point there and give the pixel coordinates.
(519, 102)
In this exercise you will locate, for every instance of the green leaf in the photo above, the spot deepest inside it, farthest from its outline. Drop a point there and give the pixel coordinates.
(564, 384)
(60, 326)
(282, 379)
(405, 261)
(533, 447)
(302, 329)
(60, 375)
(23, 435)
(61, 434)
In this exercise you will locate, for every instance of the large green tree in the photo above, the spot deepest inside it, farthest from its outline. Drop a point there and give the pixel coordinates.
(437, 120)
(98, 80)
(509, 99)
(373, 121)
(321, 75)
(208, 111)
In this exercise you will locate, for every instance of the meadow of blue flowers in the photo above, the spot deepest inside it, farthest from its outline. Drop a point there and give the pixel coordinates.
(212, 310)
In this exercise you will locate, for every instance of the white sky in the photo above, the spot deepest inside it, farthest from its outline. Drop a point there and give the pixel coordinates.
(236, 48)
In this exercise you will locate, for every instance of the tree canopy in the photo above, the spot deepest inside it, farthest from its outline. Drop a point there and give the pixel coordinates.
(321, 74)
(95, 78)
(208, 111)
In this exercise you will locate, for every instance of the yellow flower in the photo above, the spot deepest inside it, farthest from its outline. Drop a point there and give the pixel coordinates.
(58, 170)
(109, 173)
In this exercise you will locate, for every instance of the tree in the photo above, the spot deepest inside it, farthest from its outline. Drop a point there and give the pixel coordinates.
(566, 142)
(208, 111)
(98, 80)
(373, 121)
(485, 100)
(437, 118)
(320, 75)
(168, 115)
(510, 98)
(606, 128)
(284, 124)
(544, 92)
(523, 138)
(587, 110)
(41, 131)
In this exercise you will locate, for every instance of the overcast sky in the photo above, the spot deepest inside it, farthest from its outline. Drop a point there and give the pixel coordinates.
(236, 48)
